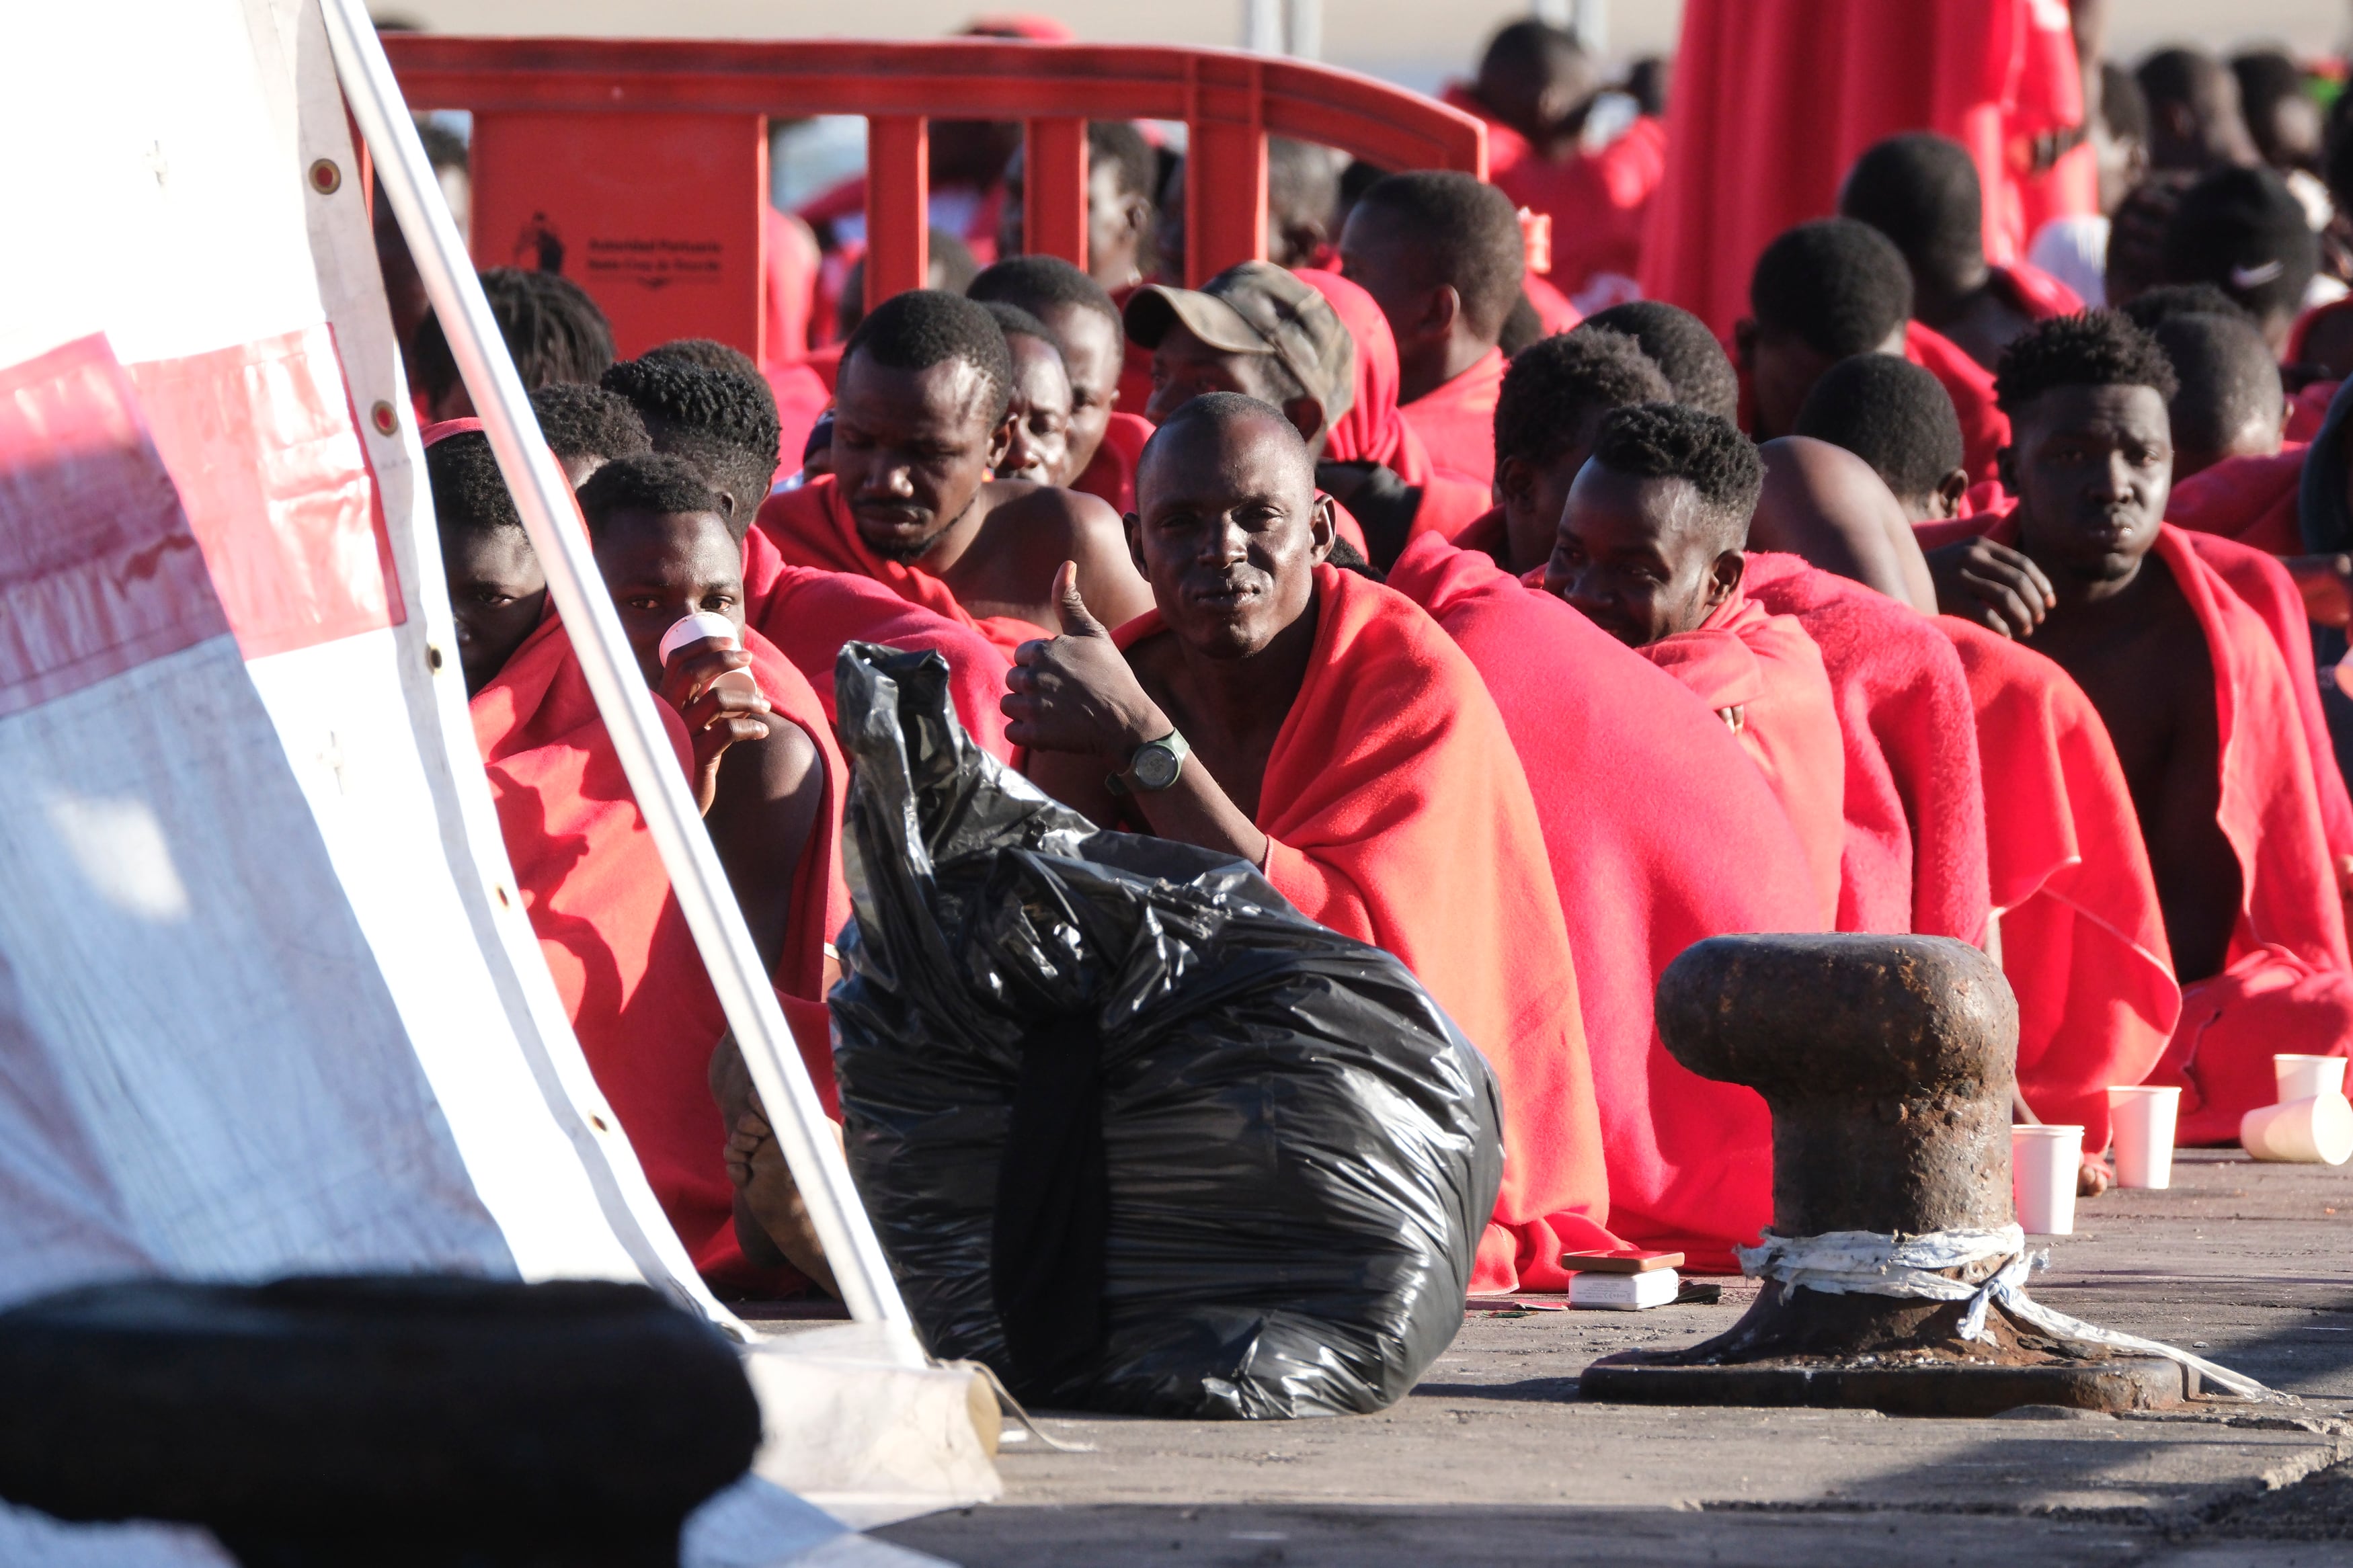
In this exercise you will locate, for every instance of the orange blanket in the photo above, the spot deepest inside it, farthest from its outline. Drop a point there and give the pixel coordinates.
(616, 941)
(809, 613)
(812, 527)
(1456, 420)
(2082, 937)
(1660, 835)
(1400, 816)
(1766, 672)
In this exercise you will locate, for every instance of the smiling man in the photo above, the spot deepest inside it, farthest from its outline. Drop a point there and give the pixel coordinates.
(2195, 694)
(1651, 549)
(1323, 727)
(921, 415)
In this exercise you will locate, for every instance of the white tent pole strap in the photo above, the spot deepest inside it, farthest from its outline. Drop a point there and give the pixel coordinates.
(1866, 1263)
(545, 500)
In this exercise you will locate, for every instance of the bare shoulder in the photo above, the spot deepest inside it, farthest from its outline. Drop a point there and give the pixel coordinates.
(1074, 522)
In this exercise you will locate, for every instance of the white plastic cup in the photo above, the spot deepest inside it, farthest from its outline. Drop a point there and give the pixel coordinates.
(2142, 1119)
(696, 627)
(2315, 1130)
(2044, 1163)
(2301, 1078)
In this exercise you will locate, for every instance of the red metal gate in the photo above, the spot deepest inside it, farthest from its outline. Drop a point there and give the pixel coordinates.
(639, 168)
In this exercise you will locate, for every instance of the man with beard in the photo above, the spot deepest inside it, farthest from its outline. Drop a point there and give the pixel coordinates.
(2195, 693)
(920, 420)
(1317, 725)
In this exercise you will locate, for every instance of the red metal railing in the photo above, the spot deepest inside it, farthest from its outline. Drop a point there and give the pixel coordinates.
(639, 168)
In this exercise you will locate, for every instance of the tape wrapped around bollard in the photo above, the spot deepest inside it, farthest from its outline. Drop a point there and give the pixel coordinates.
(1868, 1263)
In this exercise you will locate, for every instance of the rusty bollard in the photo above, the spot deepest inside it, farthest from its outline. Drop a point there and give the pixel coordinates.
(1887, 1064)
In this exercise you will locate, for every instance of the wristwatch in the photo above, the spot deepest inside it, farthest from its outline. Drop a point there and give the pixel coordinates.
(1154, 766)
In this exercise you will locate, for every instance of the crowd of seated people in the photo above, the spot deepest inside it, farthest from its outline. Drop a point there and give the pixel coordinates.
(1929, 601)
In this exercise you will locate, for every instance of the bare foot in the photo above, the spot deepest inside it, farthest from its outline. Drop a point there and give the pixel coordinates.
(2093, 1177)
(772, 1223)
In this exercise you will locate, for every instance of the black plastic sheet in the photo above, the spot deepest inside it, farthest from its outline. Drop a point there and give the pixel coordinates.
(1133, 1130)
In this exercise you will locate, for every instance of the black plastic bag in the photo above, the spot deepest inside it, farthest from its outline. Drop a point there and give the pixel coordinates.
(1133, 1130)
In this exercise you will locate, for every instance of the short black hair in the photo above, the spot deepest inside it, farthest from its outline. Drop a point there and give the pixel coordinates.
(469, 494)
(1118, 145)
(1529, 44)
(723, 421)
(924, 327)
(1679, 345)
(2265, 78)
(2123, 106)
(1467, 234)
(1921, 190)
(554, 331)
(1016, 322)
(2228, 379)
(2151, 307)
(1893, 415)
(654, 483)
(1840, 286)
(1039, 283)
(2091, 348)
(1558, 383)
(589, 422)
(708, 353)
(2244, 231)
(2179, 74)
(1676, 441)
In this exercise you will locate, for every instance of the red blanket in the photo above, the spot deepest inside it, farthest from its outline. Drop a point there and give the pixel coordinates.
(2307, 411)
(1915, 829)
(1400, 816)
(1110, 475)
(1985, 429)
(1767, 671)
(615, 943)
(1456, 420)
(2250, 500)
(1774, 100)
(1661, 834)
(809, 613)
(2288, 985)
(812, 527)
(2082, 937)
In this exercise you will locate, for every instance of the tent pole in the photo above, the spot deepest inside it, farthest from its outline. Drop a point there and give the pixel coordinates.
(550, 518)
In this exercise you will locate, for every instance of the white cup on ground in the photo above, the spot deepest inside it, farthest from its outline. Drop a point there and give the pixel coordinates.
(2301, 1078)
(2143, 1117)
(2314, 1131)
(2045, 1162)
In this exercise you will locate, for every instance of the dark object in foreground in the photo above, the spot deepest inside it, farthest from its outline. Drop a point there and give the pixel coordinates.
(419, 1420)
(1887, 1063)
(1132, 1130)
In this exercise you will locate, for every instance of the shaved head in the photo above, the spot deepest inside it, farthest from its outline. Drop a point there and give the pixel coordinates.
(1220, 421)
(1829, 506)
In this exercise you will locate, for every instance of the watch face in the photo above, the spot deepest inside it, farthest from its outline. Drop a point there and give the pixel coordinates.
(1155, 765)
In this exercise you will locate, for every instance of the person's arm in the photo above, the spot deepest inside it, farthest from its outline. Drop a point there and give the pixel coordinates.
(761, 784)
(1074, 696)
(1996, 586)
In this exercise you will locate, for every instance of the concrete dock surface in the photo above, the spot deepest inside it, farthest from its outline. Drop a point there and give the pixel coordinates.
(1493, 1461)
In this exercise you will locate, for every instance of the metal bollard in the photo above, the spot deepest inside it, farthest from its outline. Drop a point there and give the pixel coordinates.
(1887, 1063)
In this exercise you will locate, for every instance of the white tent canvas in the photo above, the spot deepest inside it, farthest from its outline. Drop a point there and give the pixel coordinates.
(269, 1002)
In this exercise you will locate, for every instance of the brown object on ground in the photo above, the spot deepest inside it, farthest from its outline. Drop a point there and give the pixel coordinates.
(1887, 1063)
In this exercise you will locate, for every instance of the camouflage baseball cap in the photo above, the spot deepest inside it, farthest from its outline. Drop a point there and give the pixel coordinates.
(1258, 308)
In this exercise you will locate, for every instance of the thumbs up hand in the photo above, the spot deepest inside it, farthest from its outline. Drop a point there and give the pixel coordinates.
(1075, 692)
